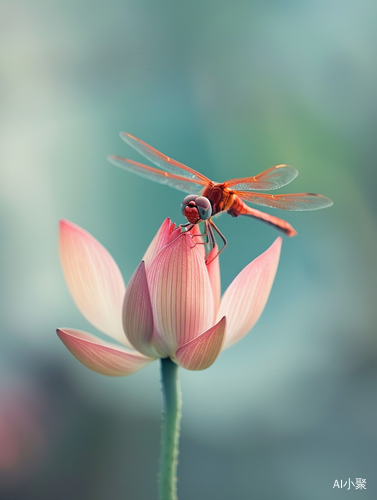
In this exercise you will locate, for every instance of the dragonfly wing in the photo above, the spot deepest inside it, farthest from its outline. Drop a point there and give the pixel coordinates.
(294, 202)
(273, 178)
(153, 174)
(162, 161)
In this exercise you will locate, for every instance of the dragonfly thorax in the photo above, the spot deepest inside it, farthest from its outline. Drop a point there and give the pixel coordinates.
(196, 208)
(220, 196)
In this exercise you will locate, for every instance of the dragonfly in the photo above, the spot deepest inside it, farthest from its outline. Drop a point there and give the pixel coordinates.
(207, 198)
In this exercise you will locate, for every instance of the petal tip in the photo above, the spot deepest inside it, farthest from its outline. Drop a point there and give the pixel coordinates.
(201, 352)
(100, 356)
(275, 248)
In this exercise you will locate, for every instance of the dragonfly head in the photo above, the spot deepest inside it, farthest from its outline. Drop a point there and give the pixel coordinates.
(196, 208)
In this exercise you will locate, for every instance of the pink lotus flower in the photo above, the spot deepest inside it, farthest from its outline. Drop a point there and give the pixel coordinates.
(171, 307)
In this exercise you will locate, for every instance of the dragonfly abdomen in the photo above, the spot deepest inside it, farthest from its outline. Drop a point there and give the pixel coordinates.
(240, 208)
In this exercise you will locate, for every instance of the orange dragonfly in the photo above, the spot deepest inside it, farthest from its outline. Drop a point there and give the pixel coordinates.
(208, 198)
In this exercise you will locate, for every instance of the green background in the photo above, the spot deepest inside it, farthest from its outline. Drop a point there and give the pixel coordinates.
(230, 89)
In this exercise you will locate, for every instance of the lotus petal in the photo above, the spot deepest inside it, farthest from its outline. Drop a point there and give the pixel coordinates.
(137, 313)
(201, 352)
(246, 297)
(181, 294)
(101, 357)
(161, 239)
(213, 269)
(93, 279)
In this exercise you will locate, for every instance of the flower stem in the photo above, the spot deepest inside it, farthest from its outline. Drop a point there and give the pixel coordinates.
(171, 420)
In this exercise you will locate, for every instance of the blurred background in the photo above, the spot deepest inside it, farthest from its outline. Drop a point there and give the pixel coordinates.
(230, 89)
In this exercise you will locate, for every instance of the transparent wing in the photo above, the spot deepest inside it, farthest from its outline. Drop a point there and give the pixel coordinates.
(294, 202)
(176, 181)
(162, 161)
(273, 178)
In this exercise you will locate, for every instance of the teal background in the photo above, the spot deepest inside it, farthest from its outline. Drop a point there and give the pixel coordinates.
(230, 89)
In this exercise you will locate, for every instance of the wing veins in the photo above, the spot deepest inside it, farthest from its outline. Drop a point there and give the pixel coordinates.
(162, 161)
(184, 184)
(293, 202)
(272, 178)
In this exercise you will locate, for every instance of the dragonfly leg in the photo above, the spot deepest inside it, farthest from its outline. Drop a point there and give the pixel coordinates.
(189, 226)
(205, 235)
(211, 236)
(202, 236)
(221, 236)
(211, 225)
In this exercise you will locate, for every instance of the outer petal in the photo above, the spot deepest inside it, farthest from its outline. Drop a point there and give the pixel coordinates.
(213, 269)
(246, 297)
(93, 279)
(137, 313)
(181, 294)
(201, 352)
(159, 241)
(101, 357)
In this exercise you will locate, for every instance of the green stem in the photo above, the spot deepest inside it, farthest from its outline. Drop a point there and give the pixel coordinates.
(170, 430)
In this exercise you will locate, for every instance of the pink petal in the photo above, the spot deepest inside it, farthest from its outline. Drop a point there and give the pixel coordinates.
(160, 240)
(201, 352)
(196, 236)
(175, 233)
(93, 279)
(246, 297)
(181, 294)
(101, 357)
(213, 269)
(137, 313)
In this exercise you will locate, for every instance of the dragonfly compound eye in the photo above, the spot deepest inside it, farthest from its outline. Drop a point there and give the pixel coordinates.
(187, 200)
(204, 207)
